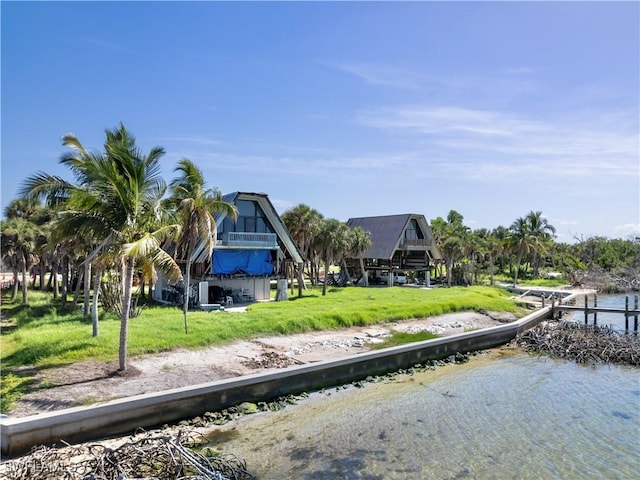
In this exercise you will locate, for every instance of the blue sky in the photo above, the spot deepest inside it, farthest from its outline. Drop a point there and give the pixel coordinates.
(492, 109)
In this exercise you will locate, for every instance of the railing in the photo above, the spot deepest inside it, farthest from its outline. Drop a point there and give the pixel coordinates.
(248, 239)
(587, 310)
(414, 242)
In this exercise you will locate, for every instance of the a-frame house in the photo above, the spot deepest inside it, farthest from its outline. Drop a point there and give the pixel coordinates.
(249, 253)
(398, 243)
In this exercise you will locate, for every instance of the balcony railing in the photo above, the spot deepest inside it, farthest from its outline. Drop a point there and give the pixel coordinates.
(414, 243)
(247, 239)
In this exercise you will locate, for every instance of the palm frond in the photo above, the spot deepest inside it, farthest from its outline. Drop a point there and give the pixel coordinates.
(53, 189)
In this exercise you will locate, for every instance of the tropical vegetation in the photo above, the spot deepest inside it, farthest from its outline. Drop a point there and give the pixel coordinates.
(89, 239)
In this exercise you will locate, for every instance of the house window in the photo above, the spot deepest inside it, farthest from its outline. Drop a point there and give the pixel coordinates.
(251, 219)
(413, 231)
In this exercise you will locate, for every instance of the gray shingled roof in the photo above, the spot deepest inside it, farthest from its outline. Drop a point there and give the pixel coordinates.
(386, 232)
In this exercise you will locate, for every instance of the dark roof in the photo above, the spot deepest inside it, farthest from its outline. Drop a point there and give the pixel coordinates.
(385, 233)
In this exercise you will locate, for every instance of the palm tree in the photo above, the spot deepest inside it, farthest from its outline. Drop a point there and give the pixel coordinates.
(360, 243)
(477, 253)
(333, 243)
(451, 236)
(30, 211)
(303, 223)
(542, 232)
(529, 235)
(117, 201)
(18, 247)
(195, 206)
(520, 242)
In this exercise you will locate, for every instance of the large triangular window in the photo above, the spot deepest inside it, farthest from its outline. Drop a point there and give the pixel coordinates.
(413, 231)
(251, 219)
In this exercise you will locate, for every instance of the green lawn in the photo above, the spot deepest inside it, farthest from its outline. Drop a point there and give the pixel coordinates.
(41, 336)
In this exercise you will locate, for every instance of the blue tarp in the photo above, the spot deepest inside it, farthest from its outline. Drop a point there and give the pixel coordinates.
(251, 262)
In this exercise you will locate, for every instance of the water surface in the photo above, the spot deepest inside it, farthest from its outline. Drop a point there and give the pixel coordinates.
(613, 320)
(513, 417)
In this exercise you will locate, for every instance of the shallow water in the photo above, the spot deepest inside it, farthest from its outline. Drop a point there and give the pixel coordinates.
(514, 417)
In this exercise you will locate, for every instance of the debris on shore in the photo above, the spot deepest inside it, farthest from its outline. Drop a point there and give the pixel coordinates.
(148, 456)
(586, 344)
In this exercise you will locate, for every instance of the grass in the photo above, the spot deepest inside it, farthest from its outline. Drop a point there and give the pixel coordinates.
(530, 282)
(42, 335)
(402, 338)
(545, 282)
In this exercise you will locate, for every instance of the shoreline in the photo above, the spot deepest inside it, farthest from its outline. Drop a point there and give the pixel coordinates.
(91, 382)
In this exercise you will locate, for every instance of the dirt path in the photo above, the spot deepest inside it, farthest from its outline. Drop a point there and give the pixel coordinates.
(91, 382)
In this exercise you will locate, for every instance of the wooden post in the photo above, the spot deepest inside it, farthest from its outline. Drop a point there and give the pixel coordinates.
(626, 314)
(553, 306)
(586, 312)
(595, 307)
(635, 318)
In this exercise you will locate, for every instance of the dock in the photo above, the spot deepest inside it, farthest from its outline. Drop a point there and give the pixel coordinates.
(587, 310)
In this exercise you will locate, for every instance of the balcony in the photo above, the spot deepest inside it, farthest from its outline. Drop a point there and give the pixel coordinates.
(414, 244)
(249, 240)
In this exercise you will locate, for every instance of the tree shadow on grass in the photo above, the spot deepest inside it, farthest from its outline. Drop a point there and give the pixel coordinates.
(28, 356)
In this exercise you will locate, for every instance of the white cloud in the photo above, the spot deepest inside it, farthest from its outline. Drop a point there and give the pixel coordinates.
(448, 120)
(506, 83)
(503, 144)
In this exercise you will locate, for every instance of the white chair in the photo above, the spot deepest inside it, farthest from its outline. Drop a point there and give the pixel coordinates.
(246, 296)
(229, 302)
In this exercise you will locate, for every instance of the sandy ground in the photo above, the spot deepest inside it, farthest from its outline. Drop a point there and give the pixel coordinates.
(91, 382)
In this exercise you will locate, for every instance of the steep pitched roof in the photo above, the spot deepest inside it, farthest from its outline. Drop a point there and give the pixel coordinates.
(385, 231)
(272, 216)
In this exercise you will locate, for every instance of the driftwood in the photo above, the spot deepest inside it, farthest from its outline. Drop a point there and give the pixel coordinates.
(146, 457)
(588, 344)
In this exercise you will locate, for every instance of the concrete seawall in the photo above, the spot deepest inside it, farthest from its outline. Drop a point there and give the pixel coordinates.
(123, 416)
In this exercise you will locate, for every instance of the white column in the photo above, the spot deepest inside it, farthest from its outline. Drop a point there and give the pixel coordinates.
(203, 293)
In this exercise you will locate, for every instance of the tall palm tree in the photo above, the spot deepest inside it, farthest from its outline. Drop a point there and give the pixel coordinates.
(33, 212)
(116, 201)
(495, 248)
(542, 232)
(451, 236)
(333, 243)
(360, 243)
(304, 224)
(477, 253)
(195, 206)
(18, 247)
(520, 243)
